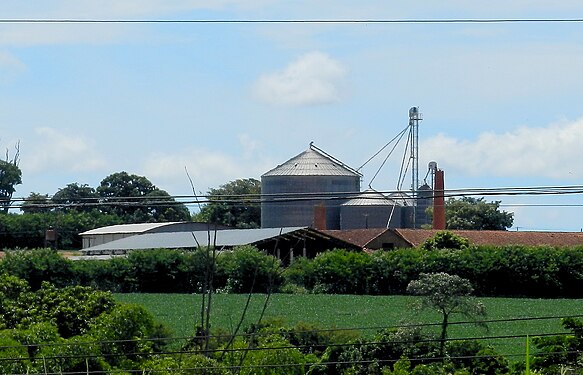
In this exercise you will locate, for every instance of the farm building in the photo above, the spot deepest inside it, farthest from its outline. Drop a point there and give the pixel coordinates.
(110, 233)
(315, 189)
(284, 243)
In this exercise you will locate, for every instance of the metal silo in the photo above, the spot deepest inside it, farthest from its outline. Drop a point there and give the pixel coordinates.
(370, 209)
(407, 208)
(291, 191)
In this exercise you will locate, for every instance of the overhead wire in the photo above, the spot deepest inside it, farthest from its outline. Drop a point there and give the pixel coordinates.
(291, 21)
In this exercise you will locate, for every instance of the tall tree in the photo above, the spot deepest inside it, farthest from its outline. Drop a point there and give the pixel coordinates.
(476, 214)
(10, 176)
(36, 203)
(76, 197)
(235, 203)
(136, 199)
(448, 294)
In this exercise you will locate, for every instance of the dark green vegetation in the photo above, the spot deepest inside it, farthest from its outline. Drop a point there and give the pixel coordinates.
(476, 214)
(71, 330)
(119, 199)
(235, 204)
(511, 271)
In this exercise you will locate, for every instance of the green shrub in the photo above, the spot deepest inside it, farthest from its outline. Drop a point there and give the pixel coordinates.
(248, 269)
(342, 272)
(36, 266)
(445, 240)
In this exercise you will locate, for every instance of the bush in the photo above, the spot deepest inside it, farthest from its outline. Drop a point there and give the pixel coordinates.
(445, 240)
(159, 271)
(342, 272)
(250, 270)
(36, 266)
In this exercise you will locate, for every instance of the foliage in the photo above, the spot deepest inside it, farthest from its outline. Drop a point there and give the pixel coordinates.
(476, 214)
(27, 231)
(10, 176)
(76, 197)
(152, 271)
(182, 365)
(449, 294)
(445, 240)
(341, 272)
(561, 352)
(38, 266)
(69, 309)
(72, 330)
(135, 199)
(250, 270)
(264, 350)
(385, 349)
(36, 203)
(127, 334)
(234, 204)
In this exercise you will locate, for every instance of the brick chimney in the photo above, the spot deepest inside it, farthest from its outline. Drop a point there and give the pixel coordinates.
(439, 201)
(320, 217)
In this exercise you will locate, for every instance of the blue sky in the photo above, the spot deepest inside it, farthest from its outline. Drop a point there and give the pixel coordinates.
(501, 102)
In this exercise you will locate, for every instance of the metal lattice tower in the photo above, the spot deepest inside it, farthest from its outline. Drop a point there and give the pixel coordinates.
(414, 118)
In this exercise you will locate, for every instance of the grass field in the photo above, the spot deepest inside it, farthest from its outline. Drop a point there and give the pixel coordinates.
(365, 314)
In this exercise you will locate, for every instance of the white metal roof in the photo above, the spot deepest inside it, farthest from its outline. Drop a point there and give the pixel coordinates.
(126, 228)
(312, 162)
(180, 240)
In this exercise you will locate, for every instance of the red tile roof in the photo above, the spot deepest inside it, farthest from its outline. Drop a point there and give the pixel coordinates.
(358, 237)
(499, 238)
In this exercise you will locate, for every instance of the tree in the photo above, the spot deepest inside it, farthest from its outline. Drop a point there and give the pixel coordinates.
(445, 240)
(136, 199)
(76, 197)
(449, 294)
(36, 203)
(476, 214)
(10, 176)
(235, 204)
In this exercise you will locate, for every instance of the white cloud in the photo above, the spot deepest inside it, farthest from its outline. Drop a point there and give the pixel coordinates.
(10, 62)
(313, 78)
(207, 168)
(59, 151)
(548, 152)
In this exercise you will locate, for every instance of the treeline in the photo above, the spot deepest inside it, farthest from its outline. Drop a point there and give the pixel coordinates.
(517, 271)
(121, 198)
(28, 231)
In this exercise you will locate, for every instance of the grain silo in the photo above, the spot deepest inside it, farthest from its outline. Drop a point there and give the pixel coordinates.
(370, 209)
(293, 191)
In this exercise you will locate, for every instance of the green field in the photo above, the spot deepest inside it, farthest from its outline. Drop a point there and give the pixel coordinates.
(366, 314)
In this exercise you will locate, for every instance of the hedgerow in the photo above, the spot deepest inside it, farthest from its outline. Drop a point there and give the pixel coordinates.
(513, 271)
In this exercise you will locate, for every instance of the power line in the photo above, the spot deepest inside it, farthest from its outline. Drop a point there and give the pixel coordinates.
(292, 21)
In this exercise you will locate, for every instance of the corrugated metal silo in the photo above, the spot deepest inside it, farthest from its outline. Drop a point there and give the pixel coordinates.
(424, 201)
(407, 208)
(292, 190)
(370, 209)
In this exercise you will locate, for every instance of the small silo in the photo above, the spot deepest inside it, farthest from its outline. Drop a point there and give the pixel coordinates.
(370, 209)
(407, 208)
(292, 191)
(424, 201)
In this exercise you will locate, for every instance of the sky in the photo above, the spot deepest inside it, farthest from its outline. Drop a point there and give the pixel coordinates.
(501, 102)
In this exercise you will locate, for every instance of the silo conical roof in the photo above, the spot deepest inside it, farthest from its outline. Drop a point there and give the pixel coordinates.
(312, 162)
(370, 197)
